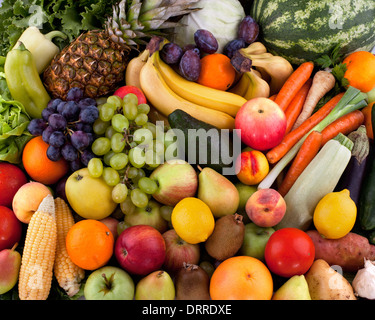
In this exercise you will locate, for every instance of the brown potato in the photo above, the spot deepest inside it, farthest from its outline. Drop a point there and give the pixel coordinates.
(327, 284)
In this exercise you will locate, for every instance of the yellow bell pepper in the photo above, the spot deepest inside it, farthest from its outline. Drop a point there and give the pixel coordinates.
(40, 45)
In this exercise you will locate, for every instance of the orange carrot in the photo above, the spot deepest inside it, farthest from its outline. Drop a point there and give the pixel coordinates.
(294, 136)
(344, 124)
(322, 83)
(295, 107)
(306, 153)
(293, 84)
(273, 97)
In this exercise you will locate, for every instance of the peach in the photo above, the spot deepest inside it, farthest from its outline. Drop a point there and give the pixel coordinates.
(252, 167)
(266, 207)
(111, 223)
(27, 200)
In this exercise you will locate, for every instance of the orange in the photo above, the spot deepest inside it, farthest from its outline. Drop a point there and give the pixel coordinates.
(90, 244)
(360, 70)
(368, 123)
(216, 72)
(241, 278)
(38, 166)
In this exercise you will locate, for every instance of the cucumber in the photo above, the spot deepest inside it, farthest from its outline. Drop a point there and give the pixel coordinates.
(366, 210)
(183, 121)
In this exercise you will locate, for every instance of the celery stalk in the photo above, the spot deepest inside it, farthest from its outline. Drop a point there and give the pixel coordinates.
(353, 99)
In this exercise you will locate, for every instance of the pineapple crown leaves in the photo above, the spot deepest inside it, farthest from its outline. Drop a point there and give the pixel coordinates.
(136, 19)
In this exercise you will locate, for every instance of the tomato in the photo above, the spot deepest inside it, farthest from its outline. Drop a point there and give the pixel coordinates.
(10, 228)
(289, 252)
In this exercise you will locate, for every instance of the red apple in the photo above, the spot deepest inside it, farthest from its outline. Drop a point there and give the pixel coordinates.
(176, 180)
(123, 91)
(140, 249)
(266, 207)
(11, 179)
(179, 251)
(262, 123)
(10, 228)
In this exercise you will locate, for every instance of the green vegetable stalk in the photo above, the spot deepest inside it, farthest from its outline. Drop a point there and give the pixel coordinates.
(40, 45)
(24, 82)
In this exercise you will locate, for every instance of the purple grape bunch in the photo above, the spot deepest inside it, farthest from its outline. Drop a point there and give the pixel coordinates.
(67, 128)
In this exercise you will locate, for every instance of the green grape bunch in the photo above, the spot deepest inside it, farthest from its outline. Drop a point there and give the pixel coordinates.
(126, 150)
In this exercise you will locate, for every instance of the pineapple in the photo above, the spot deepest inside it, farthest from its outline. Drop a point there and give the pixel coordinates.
(97, 59)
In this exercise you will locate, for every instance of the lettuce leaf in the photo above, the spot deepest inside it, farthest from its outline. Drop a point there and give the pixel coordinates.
(69, 16)
(13, 130)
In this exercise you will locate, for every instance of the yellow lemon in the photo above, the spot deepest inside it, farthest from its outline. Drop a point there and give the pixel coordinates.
(335, 214)
(192, 220)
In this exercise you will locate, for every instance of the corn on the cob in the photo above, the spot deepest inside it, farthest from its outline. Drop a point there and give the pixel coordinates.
(68, 275)
(39, 253)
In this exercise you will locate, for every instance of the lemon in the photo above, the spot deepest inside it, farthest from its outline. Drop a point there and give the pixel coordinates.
(335, 214)
(192, 220)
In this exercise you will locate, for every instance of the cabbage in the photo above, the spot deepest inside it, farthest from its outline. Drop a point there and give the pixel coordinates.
(222, 18)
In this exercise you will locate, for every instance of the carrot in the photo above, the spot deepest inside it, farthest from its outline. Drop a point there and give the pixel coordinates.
(293, 84)
(344, 124)
(295, 107)
(322, 83)
(306, 153)
(276, 153)
(273, 97)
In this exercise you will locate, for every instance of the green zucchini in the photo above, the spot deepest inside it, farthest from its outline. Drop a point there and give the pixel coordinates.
(366, 210)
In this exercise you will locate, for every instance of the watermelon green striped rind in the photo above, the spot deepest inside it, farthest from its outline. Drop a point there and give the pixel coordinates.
(304, 30)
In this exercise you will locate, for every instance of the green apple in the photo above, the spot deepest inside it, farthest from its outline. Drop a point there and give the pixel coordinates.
(109, 283)
(89, 197)
(176, 180)
(158, 285)
(255, 240)
(149, 215)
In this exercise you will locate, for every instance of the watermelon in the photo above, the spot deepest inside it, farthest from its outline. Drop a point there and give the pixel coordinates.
(304, 30)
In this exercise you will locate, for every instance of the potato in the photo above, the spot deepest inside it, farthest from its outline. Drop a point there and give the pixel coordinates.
(327, 284)
(347, 252)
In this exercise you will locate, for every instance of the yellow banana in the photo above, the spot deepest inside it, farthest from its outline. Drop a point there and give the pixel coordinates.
(215, 99)
(251, 85)
(134, 67)
(166, 101)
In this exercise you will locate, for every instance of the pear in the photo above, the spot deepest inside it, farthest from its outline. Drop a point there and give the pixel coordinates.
(327, 284)
(158, 285)
(10, 263)
(295, 288)
(217, 192)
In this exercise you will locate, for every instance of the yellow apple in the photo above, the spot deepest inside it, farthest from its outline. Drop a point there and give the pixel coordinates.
(89, 197)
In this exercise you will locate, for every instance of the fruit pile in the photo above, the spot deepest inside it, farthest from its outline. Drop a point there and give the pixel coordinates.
(149, 167)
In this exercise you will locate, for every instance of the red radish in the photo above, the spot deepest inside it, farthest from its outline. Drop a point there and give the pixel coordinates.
(123, 91)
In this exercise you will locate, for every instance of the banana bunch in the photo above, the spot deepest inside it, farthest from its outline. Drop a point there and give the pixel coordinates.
(167, 91)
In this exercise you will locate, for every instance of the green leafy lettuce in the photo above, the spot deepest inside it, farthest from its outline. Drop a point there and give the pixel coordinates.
(13, 130)
(69, 16)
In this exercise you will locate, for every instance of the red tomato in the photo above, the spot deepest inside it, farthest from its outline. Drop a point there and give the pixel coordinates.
(123, 91)
(10, 228)
(289, 252)
(11, 179)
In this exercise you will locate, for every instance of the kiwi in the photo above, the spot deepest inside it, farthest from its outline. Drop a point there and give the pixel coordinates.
(227, 237)
(192, 283)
